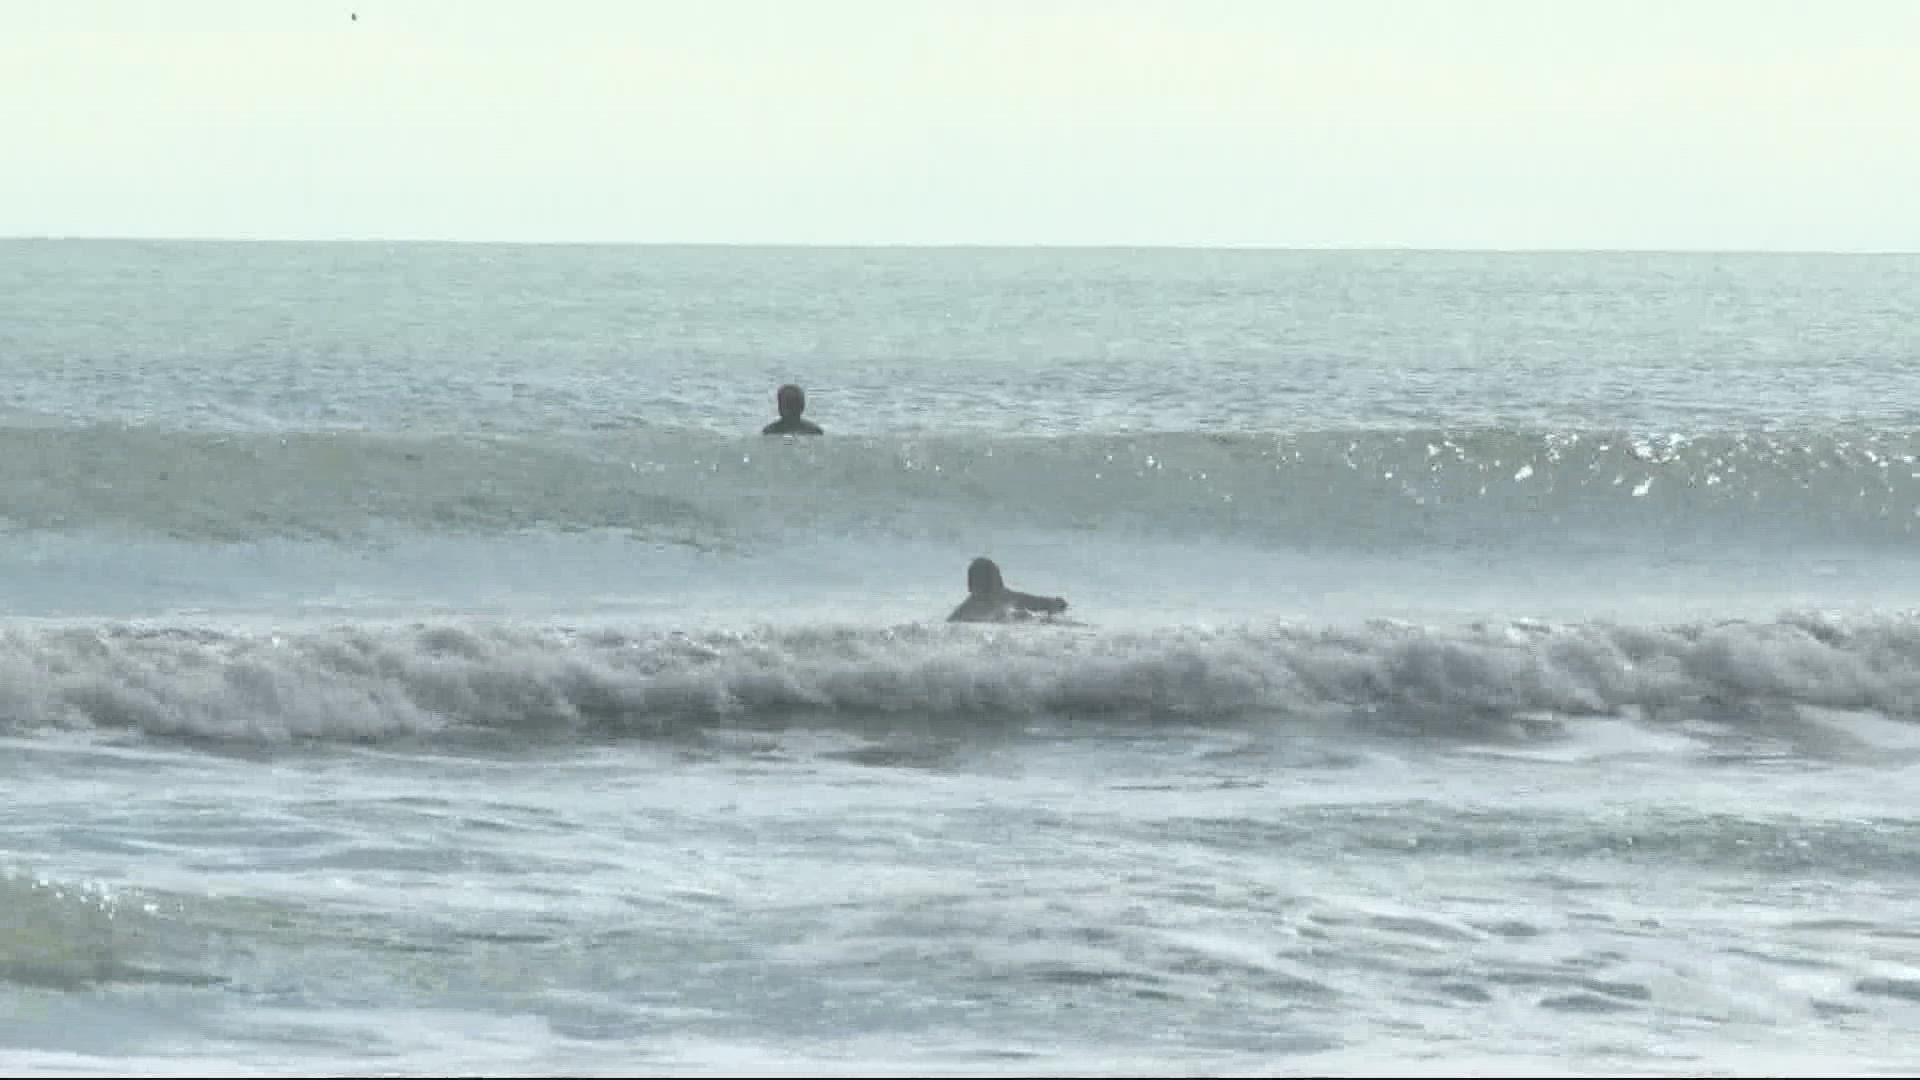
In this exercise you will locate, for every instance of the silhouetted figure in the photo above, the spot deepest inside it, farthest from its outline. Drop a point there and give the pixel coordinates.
(989, 599)
(793, 402)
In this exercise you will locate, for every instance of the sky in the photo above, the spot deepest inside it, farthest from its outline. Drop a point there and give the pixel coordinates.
(1475, 124)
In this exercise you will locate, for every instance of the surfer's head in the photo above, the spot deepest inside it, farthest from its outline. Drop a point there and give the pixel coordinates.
(793, 401)
(983, 578)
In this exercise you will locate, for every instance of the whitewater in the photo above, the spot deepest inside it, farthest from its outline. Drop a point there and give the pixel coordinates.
(413, 661)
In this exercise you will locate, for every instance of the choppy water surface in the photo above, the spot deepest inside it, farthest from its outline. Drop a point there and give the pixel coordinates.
(415, 663)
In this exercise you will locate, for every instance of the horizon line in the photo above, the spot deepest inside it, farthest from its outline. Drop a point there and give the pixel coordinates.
(1380, 248)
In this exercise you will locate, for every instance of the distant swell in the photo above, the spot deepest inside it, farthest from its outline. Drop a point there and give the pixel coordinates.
(1372, 488)
(388, 682)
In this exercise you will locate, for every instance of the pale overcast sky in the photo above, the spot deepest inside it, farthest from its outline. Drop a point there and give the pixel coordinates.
(1670, 124)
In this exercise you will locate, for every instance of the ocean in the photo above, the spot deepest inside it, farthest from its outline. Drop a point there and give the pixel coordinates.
(414, 661)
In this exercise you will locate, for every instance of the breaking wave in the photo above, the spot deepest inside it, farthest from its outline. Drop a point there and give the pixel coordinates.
(427, 681)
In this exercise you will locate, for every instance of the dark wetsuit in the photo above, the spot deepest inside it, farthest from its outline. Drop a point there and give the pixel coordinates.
(1005, 606)
(791, 425)
(792, 402)
(989, 599)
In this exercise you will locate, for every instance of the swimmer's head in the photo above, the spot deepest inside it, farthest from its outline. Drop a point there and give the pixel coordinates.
(793, 401)
(983, 577)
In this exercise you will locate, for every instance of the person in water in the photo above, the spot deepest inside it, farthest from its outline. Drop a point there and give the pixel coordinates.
(989, 599)
(793, 402)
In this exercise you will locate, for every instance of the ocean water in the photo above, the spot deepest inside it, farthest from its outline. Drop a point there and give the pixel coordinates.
(414, 662)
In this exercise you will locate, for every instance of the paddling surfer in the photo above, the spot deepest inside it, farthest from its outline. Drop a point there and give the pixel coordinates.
(989, 599)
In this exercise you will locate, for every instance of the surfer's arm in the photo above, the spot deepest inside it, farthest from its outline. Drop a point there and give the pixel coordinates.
(1046, 605)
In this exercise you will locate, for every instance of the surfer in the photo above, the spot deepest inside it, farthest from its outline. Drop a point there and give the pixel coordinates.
(793, 402)
(989, 599)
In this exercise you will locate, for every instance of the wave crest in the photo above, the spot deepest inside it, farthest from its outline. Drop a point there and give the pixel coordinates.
(377, 683)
